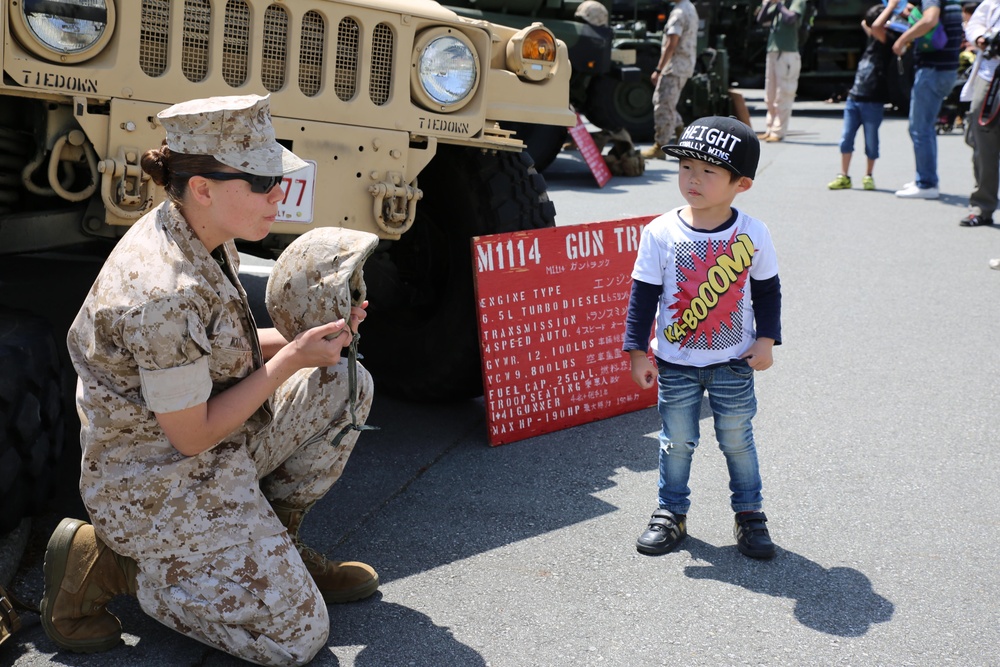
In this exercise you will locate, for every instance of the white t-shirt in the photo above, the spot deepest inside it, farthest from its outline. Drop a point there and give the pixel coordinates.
(704, 316)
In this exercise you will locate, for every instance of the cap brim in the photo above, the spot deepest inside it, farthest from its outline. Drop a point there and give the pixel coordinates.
(273, 160)
(684, 151)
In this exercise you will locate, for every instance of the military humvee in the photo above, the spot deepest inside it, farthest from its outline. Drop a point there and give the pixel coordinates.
(399, 106)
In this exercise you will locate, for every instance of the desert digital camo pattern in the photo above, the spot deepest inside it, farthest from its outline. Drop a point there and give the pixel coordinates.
(236, 130)
(165, 326)
(317, 279)
(593, 13)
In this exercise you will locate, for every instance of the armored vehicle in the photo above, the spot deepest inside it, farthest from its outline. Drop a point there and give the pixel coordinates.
(401, 108)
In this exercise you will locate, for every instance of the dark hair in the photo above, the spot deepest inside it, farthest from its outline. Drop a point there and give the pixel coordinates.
(162, 165)
(872, 14)
(969, 6)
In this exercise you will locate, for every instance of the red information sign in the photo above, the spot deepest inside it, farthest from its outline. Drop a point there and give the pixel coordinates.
(588, 149)
(551, 306)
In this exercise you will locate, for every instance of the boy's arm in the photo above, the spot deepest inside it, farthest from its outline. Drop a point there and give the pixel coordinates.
(642, 305)
(765, 297)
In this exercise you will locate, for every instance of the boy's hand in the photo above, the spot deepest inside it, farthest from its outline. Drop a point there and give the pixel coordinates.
(643, 371)
(759, 355)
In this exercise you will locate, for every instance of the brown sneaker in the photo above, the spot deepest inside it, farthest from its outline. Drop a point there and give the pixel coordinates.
(82, 574)
(338, 581)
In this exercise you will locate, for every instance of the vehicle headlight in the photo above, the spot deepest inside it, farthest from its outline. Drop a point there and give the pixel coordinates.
(63, 31)
(531, 53)
(445, 70)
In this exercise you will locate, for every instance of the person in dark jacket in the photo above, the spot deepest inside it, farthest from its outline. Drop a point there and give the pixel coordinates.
(866, 100)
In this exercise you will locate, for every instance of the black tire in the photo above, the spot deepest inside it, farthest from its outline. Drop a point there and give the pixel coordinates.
(32, 409)
(420, 340)
(543, 142)
(613, 104)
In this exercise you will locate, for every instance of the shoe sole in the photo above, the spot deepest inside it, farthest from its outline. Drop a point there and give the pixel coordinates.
(54, 568)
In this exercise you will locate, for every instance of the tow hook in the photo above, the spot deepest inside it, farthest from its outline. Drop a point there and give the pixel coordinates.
(395, 205)
(130, 197)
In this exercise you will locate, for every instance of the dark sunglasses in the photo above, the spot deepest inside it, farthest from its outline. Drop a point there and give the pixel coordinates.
(258, 184)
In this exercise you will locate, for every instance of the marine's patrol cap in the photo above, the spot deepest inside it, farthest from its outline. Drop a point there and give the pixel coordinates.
(719, 140)
(235, 130)
(317, 279)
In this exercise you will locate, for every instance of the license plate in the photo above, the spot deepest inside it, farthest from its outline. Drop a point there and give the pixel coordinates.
(299, 188)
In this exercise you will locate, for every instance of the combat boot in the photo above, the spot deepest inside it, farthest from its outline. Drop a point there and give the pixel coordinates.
(338, 581)
(82, 574)
(654, 152)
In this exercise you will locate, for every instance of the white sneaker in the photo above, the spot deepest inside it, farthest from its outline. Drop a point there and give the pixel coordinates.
(911, 191)
(995, 264)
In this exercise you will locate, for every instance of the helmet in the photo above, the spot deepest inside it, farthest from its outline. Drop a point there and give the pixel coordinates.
(592, 12)
(318, 278)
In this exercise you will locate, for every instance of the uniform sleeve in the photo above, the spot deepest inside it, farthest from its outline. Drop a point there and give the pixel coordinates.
(675, 23)
(169, 343)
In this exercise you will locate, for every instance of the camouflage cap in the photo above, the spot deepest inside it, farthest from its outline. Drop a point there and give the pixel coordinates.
(593, 12)
(318, 278)
(235, 130)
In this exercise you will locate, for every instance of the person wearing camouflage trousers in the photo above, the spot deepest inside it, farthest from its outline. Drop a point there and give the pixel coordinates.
(205, 440)
(675, 67)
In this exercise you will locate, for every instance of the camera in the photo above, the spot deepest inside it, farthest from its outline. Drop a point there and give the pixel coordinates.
(991, 48)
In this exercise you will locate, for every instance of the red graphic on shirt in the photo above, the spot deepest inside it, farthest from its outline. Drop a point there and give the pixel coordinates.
(710, 293)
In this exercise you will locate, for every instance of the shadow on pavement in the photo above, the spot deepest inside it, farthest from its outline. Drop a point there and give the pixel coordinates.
(837, 601)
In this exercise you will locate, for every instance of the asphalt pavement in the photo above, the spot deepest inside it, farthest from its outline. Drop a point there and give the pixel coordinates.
(877, 438)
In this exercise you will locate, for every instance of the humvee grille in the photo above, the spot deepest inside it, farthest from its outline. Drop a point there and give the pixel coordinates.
(347, 59)
(381, 64)
(236, 43)
(197, 27)
(274, 51)
(239, 31)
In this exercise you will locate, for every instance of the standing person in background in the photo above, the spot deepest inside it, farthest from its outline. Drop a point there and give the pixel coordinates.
(984, 134)
(935, 72)
(867, 97)
(781, 74)
(675, 67)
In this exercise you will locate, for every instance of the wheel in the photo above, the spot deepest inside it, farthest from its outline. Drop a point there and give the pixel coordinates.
(420, 340)
(613, 104)
(32, 428)
(543, 142)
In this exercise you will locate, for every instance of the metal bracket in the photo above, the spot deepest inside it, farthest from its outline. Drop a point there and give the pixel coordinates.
(124, 186)
(395, 205)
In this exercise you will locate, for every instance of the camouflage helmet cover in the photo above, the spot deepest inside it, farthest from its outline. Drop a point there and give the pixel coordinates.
(235, 130)
(593, 12)
(317, 279)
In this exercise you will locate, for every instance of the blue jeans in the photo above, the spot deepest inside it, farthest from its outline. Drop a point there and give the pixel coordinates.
(930, 87)
(731, 396)
(857, 114)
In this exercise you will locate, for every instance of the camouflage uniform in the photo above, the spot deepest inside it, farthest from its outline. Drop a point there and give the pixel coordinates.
(683, 21)
(166, 326)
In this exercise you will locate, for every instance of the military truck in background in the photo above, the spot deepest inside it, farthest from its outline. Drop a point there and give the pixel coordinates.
(401, 107)
(611, 86)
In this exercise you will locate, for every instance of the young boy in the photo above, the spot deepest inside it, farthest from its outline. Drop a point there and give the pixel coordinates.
(706, 272)
(867, 97)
